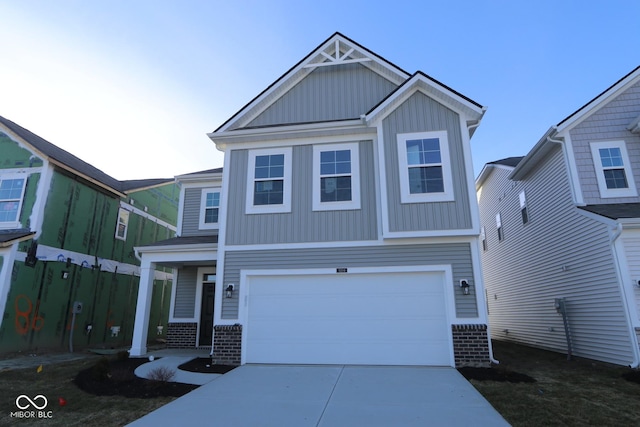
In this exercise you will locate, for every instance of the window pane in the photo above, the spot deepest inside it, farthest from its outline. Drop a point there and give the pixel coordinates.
(211, 216)
(327, 156)
(423, 151)
(615, 178)
(426, 180)
(213, 200)
(11, 189)
(8, 211)
(268, 193)
(343, 156)
(335, 162)
(271, 166)
(611, 157)
(335, 189)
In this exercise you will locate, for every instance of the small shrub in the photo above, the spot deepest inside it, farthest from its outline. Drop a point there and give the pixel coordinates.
(101, 370)
(162, 374)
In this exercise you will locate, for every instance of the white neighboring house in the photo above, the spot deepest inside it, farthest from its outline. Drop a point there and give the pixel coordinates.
(348, 223)
(563, 222)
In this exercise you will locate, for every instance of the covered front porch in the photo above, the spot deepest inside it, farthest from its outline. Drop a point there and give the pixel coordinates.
(193, 260)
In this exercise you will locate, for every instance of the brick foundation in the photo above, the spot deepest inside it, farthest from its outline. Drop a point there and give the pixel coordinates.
(181, 335)
(227, 344)
(470, 345)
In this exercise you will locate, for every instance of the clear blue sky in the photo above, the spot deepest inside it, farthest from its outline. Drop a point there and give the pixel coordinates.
(133, 87)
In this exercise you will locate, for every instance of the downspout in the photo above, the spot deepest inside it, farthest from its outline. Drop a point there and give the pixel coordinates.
(617, 232)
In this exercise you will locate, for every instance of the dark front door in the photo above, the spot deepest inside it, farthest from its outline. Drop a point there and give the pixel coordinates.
(206, 314)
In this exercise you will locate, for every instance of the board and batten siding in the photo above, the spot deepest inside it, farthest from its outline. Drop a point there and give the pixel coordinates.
(559, 253)
(458, 255)
(607, 124)
(184, 307)
(419, 113)
(328, 93)
(301, 224)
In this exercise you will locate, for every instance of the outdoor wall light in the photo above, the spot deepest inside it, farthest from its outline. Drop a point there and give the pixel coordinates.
(464, 284)
(228, 291)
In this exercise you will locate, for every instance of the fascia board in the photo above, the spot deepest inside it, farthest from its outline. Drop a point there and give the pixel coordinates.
(297, 73)
(176, 249)
(542, 147)
(301, 131)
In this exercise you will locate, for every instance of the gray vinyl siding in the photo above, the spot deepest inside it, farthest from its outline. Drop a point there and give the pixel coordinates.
(191, 214)
(607, 124)
(457, 255)
(420, 114)
(301, 224)
(524, 272)
(186, 293)
(328, 93)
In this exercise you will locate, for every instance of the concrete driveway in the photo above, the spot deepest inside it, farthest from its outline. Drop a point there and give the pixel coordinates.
(292, 395)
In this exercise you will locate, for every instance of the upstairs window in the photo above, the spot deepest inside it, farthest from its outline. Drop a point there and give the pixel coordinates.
(613, 170)
(425, 171)
(269, 179)
(499, 227)
(209, 208)
(123, 224)
(483, 238)
(336, 177)
(11, 196)
(523, 208)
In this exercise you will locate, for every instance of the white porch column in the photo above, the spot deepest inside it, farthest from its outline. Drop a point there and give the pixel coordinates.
(143, 307)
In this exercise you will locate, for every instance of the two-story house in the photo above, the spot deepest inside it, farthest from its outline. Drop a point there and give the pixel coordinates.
(68, 272)
(348, 223)
(561, 233)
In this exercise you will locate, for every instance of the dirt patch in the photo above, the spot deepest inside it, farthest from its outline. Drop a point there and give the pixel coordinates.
(203, 365)
(494, 374)
(117, 377)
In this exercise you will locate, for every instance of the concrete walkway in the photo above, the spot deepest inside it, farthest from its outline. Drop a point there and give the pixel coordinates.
(279, 395)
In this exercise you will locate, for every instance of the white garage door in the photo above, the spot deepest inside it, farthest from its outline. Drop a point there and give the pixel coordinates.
(373, 319)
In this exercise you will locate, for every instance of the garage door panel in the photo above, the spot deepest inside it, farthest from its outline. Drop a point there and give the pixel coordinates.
(352, 319)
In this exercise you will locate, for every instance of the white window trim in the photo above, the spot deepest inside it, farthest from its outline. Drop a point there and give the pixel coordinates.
(405, 195)
(286, 197)
(16, 223)
(523, 206)
(126, 225)
(352, 204)
(499, 228)
(203, 199)
(605, 192)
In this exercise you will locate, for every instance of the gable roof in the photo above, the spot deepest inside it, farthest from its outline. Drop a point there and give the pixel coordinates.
(67, 161)
(601, 98)
(506, 163)
(337, 49)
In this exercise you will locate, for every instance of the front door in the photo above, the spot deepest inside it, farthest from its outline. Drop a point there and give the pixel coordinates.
(206, 314)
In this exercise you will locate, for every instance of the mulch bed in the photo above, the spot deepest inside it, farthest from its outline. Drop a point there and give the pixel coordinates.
(117, 377)
(494, 374)
(204, 365)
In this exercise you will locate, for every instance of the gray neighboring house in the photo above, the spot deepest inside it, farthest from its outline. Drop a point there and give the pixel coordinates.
(563, 222)
(348, 224)
(192, 256)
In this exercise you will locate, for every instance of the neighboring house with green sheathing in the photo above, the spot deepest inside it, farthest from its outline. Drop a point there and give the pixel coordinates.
(67, 233)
